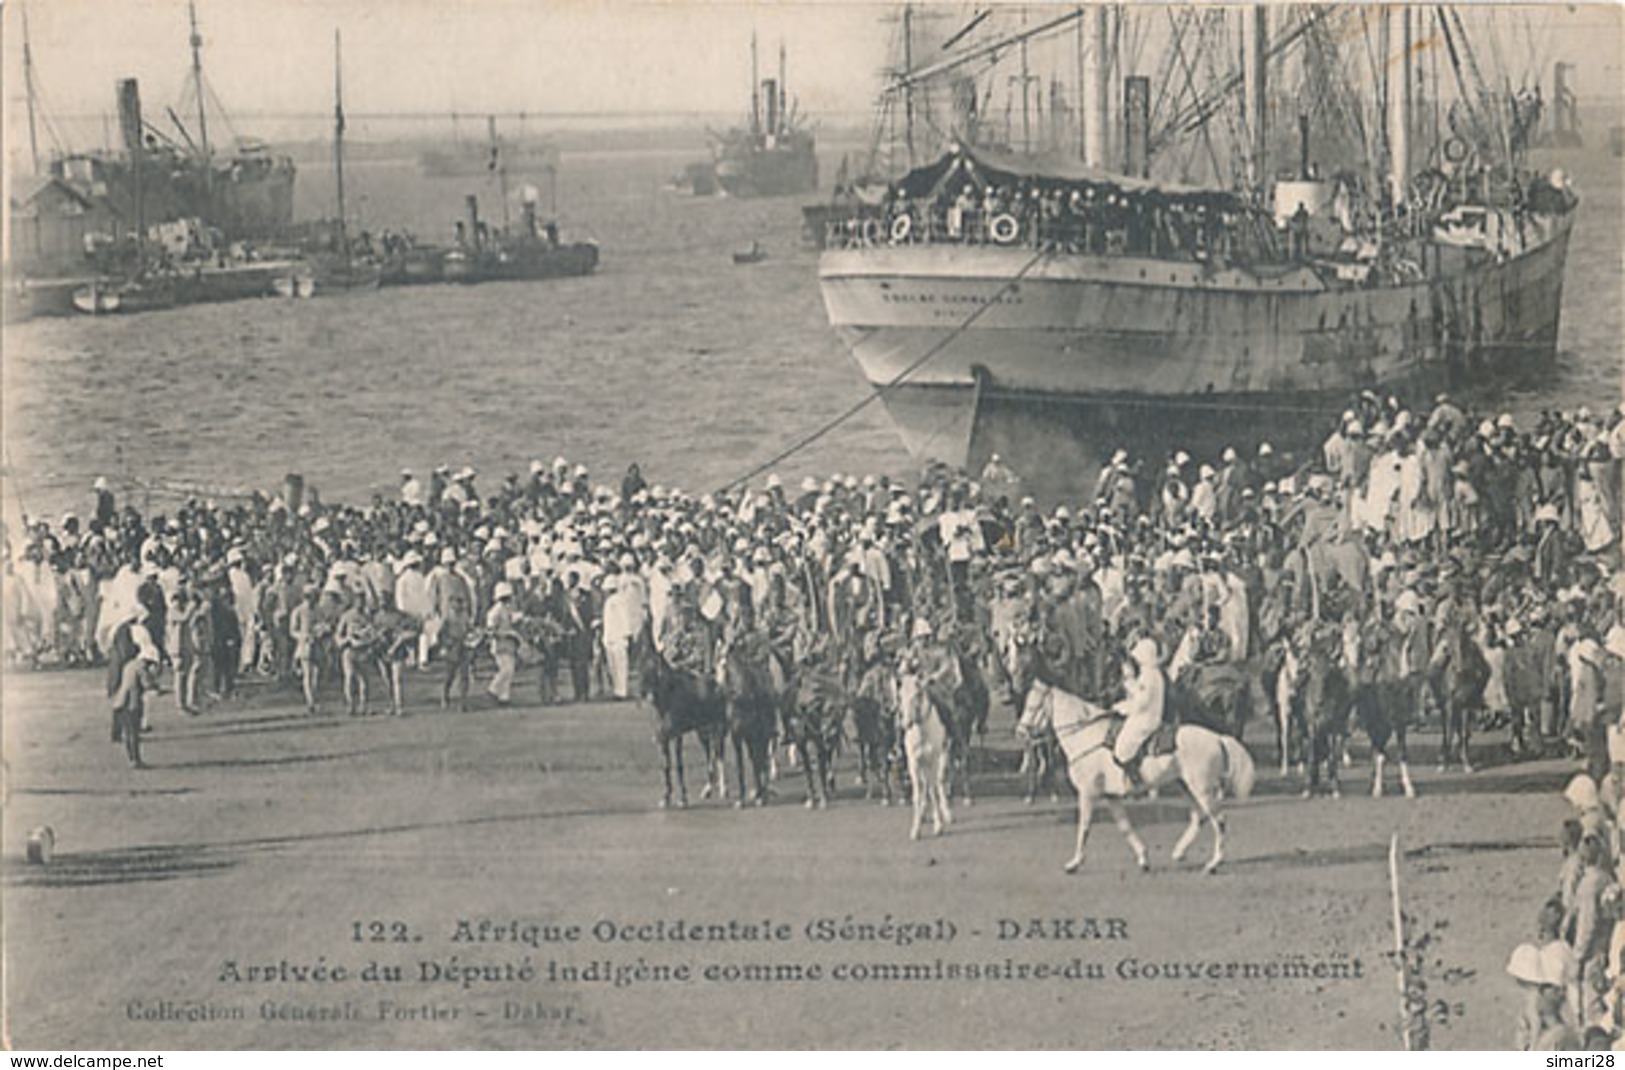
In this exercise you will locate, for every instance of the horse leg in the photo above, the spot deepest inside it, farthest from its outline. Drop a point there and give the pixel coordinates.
(1404, 761)
(665, 768)
(1137, 845)
(1338, 750)
(1314, 745)
(758, 759)
(917, 790)
(1446, 715)
(682, 783)
(1086, 808)
(1464, 734)
(961, 756)
(1031, 771)
(1210, 810)
(1283, 723)
(815, 775)
(1188, 837)
(941, 816)
(1377, 758)
(739, 769)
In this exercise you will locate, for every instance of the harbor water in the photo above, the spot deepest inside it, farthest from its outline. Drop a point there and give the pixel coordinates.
(671, 356)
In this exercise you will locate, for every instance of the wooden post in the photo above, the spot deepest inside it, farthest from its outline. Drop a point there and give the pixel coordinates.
(1400, 971)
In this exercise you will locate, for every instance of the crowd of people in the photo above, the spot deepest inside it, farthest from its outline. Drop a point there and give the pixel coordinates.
(969, 205)
(1061, 216)
(1571, 977)
(1403, 528)
(1403, 519)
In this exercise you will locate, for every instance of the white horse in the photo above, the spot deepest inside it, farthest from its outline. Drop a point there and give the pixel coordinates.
(925, 742)
(1209, 764)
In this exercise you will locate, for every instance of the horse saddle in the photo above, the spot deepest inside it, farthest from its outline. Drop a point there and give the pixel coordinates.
(1162, 741)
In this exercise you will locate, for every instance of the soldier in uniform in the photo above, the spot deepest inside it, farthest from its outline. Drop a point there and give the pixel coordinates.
(304, 630)
(396, 636)
(132, 671)
(453, 606)
(580, 635)
(355, 637)
(688, 643)
(501, 623)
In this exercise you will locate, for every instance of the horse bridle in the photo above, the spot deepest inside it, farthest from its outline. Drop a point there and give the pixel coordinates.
(1048, 709)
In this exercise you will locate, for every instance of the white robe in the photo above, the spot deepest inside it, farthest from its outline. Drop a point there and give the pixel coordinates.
(1596, 529)
(1382, 486)
(1142, 707)
(1233, 615)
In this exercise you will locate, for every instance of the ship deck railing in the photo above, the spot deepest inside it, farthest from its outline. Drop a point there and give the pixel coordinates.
(1068, 233)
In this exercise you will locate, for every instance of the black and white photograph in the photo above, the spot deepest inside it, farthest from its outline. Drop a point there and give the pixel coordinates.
(716, 525)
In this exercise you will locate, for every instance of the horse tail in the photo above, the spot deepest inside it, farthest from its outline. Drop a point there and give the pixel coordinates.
(1240, 773)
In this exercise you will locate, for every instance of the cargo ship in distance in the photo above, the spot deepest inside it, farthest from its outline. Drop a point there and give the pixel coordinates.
(776, 154)
(1015, 299)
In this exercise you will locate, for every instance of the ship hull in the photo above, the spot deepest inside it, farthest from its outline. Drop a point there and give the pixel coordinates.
(768, 172)
(523, 264)
(1111, 352)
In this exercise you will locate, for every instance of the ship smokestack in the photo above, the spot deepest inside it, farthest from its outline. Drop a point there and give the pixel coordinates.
(770, 95)
(129, 113)
(1096, 91)
(1137, 126)
(473, 204)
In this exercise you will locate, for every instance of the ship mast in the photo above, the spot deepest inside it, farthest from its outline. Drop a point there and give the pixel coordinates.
(1399, 106)
(755, 91)
(1096, 92)
(1255, 65)
(197, 82)
(499, 165)
(1026, 114)
(33, 104)
(338, 137)
(908, 89)
(783, 94)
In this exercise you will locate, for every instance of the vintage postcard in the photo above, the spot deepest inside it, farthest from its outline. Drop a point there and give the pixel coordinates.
(606, 525)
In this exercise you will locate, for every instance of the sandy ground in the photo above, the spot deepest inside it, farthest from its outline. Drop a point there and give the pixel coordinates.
(261, 839)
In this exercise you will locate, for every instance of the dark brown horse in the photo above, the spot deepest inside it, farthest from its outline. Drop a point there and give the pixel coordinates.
(813, 722)
(1321, 698)
(752, 706)
(1219, 695)
(873, 706)
(1457, 673)
(684, 702)
(963, 696)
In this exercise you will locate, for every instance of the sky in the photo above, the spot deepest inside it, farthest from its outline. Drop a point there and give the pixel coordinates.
(268, 60)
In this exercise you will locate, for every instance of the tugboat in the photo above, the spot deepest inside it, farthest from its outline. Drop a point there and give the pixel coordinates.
(484, 254)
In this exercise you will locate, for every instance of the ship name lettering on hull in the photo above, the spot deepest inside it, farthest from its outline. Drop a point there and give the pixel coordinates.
(948, 299)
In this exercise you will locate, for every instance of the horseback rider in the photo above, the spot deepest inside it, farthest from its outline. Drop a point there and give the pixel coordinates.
(1142, 708)
(688, 646)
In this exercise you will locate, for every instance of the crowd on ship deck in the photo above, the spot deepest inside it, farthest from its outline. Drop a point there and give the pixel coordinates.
(1213, 228)
(1059, 217)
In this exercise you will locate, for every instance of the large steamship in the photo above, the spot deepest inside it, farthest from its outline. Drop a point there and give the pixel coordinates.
(1016, 299)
